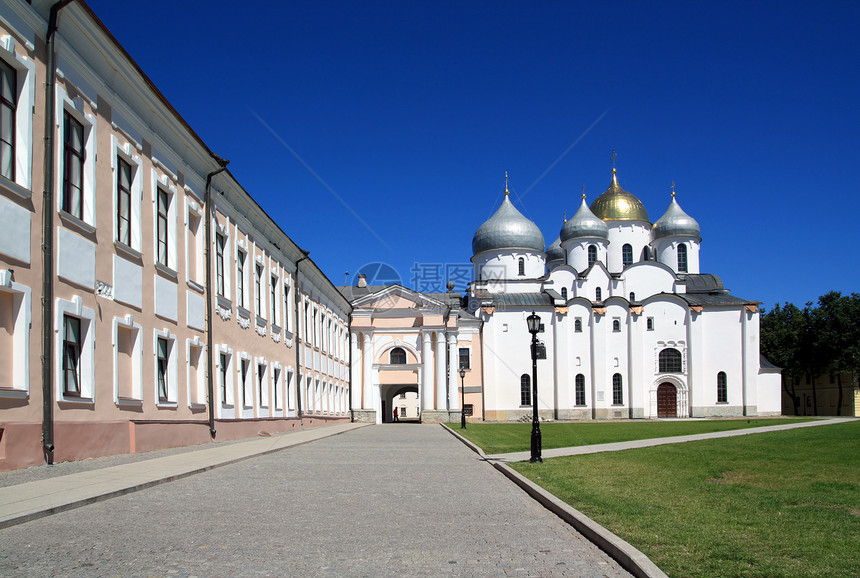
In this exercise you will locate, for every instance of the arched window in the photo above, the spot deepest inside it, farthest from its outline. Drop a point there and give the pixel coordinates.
(525, 390)
(682, 258)
(627, 254)
(598, 294)
(577, 325)
(564, 292)
(580, 389)
(592, 255)
(722, 388)
(632, 297)
(670, 361)
(522, 265)
(398, 356)
(617, 393)
(616, 326)
(646, 253)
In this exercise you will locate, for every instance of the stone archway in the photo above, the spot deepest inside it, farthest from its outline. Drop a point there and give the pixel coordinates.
(667, 400)
(391, 398)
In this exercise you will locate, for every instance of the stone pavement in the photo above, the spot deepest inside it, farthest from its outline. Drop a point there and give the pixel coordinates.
(634, 444)
(377, 500)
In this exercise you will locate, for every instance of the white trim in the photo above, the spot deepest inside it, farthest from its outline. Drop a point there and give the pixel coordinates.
(136, 359)
(21, 320)
(26, 74)
(76, 109)
(160, 182)
(124, 151)
(172, 373)
(200, 386)
(87, 316)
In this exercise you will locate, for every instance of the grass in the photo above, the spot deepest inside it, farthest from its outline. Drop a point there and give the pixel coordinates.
(515, 437)
(772, 504)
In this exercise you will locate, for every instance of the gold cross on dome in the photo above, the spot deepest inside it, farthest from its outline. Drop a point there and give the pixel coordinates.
(673, 188)
(612, 158)
(506, 182)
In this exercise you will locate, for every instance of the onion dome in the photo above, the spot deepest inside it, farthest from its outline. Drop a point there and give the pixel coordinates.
(616, 204)
(554, 252)
(584, 224)
(507, 229)
(676, 222)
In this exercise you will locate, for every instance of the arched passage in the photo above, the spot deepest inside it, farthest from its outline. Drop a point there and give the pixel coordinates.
(404, 397)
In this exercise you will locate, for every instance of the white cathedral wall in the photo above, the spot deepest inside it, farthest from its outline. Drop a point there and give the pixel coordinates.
(636, 233)
(646, 279)
(666, 252)
(670, 329)
(498, 266)
(722, 344)
(577, 251)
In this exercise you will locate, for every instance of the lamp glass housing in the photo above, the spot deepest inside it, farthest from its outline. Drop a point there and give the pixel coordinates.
(533, 322)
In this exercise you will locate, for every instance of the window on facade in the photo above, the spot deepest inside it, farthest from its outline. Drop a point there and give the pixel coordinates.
(632, 297)
(123, 202)
(8, 105)
(592, 255)
(564, 292)
(73, 166)
(577, 325)
(649, 323)
(276, 381)
(522, 266)
(258, 290)
(722, 388)
(682, 258)
(403, 395)
(162, 350)
(464, 358)
(616, 325)
(598, 294)
(223, 377)
(580, 389)
(273, 298)
(525, 390)
(161, 226)
(626, 255)
(126, 362)
(220, 241)
(287, 311)
(398, 356)
(617, 392)
(261, 385)
(71, 356)
(244, 367)
(240, 278)
(670, 361)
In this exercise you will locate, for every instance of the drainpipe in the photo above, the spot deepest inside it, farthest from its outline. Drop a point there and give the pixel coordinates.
(48, 241)
(210, 215)
(296, 339)
(349, 385)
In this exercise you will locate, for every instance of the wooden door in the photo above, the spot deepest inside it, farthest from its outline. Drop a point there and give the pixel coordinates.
(667, 400)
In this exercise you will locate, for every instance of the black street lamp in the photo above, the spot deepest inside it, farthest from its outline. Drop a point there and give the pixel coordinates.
(462, 397)
(533, 322)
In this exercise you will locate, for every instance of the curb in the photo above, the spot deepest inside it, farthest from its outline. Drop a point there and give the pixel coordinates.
(15, 519)
(630, 558)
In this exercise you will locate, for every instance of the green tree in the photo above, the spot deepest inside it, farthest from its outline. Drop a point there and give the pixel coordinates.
(837, 322)
(782, 332)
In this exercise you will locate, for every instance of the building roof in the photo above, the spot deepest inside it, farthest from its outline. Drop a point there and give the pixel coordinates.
(507, 229)
(616, 204)
(703, 283)
(676, 222)
(584, 224)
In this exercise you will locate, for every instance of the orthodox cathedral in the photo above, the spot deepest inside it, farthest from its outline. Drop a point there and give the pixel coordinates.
(630, 327)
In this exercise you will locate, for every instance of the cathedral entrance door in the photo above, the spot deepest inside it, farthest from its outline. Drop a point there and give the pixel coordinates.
(667, 400)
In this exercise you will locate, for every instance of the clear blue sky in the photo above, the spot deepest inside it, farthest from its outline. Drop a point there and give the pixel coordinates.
(411, 112)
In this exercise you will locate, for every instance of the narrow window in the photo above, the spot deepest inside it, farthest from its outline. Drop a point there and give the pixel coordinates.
(261, 383)
(223, 377)
(287, 311)
(522, 266)
(617, 393)
(240, 278)
(8, 104)
(123, 202)
(276, 378)
(273, 299)
(564, 292)
(598, 294)
(71, 356)
(525, 390)
(616, 325)
(632, 297)
(220, 241)
(577, 325)
(580, 389)
(592, 255)
(161, 225)
(244, 378)
(162, 348)
(626, 255)
(397, 356)
(258, 295)
(682, 258)
(722, 388)
(670, 361)
(650, 323)
(73, 166)
(464, 358)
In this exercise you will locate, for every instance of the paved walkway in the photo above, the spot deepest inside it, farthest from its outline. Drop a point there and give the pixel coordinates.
(391, 499)
(634, 444)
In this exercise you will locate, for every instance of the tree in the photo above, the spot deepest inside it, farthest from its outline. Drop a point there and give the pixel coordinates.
(782, 329)
(837, 322)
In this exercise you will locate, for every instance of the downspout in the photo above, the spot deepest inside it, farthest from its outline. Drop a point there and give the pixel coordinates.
(296, 341)
(210, 366)
(349, 335)
(48, 241)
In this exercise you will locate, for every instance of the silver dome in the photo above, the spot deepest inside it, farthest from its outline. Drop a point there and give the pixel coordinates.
(584, 224)
(676, 222)
(554, 252)
(507, 229)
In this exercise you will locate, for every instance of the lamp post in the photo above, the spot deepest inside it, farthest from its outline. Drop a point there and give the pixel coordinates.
(533, 322)
(462, 397)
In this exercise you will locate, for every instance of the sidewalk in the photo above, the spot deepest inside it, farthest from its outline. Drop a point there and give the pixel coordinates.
(635, 444)
(29, 501)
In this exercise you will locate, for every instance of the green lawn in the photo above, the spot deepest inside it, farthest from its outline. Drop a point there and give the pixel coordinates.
(771, 504)
(499, 438)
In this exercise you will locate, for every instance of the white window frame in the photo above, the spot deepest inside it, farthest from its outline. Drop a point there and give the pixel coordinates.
(75, 108)
(194, 251)
(75, 308)
(172, 372)
(136, 360)
(244, 391)
(21, 316)
(275, 298)
(242, 247)
(261, 390)
(229, 263)
(124, 151)
(26, 74)
(229, 386)
(161, 182)
(200, 386)
(277, 389)
(287, 298)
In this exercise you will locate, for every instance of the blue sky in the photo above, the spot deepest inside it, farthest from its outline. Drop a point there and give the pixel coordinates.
(407, 114)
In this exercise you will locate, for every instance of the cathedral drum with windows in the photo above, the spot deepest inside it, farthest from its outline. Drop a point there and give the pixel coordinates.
(631, 327)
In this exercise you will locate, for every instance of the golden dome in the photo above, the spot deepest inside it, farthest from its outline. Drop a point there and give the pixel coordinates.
(616, 204)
